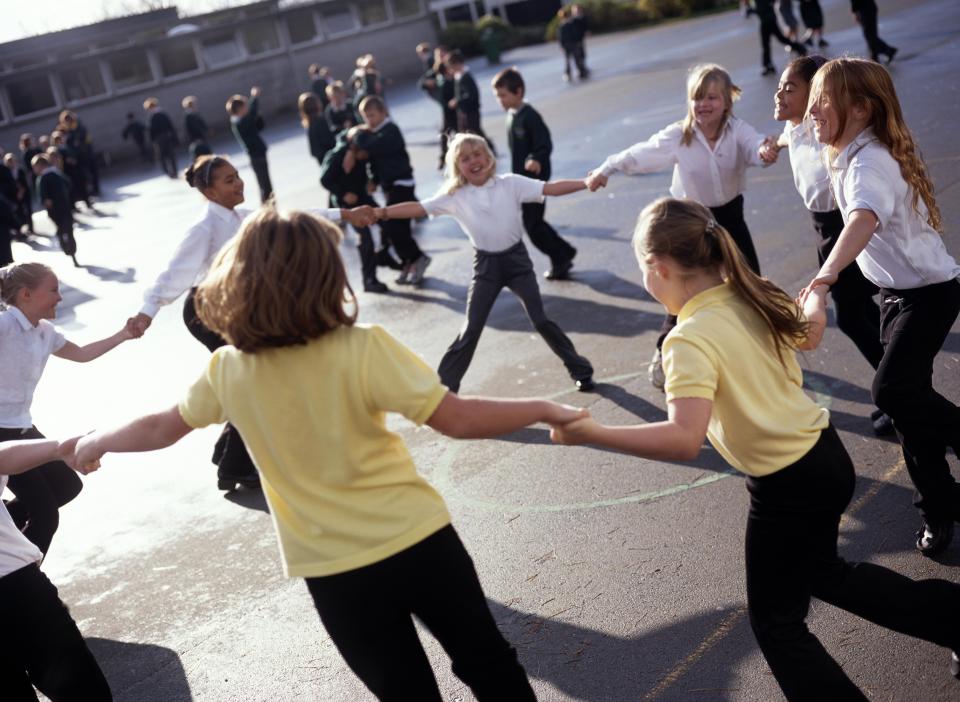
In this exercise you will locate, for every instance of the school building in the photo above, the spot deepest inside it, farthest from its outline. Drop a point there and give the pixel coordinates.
(514, 11)
(103, 71)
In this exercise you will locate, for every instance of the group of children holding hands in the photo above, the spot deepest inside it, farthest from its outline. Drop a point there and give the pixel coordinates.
(374, 540)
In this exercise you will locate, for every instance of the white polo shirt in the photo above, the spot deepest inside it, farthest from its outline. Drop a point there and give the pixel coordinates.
(490, 214)
(712, 177)
(810, 173)
(905, 252)
(25, 349)
(16, 551)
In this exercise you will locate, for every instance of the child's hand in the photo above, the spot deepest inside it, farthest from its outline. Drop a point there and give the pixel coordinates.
(558, 414)
(820, 281)
(86, 455)
(132, 329)
(362, 216)
(595, 181)
(532, 165)
(452, 104)
(67, 452)
(769, 150)
(574, 433)
(350, 199)
(255, 91)
(142, 321)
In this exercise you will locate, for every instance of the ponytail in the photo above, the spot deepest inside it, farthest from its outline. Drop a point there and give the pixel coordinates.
(14, 277)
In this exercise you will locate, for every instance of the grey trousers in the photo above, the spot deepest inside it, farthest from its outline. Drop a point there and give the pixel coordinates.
(491, 273)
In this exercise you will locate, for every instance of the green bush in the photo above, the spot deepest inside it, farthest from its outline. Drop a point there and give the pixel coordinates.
(464, 36)
(615, 15)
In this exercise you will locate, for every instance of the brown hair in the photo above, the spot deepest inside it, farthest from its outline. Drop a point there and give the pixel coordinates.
(201, 173)
(279, 282)
(857, 82)
(510, 79)
(698, 82)
(309, 106)
(334, 88)
(15, 277)
(235, 102)
(374, 101)
(686, 232)
(807, 66)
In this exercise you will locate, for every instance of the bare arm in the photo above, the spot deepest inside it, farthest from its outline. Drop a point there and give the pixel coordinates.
(853, 239)
(147, 433)
(20, 456)
(480, 418)
(679, 438)
(403, 210)
(815, 310)
(563, 187)
(82, 354)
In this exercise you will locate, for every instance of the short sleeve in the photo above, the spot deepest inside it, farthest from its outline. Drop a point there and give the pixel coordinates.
(442, 204)
(866, 187)
(525, 189)
(200, 407)
(54, 337)
(689, 369)
(397, 380)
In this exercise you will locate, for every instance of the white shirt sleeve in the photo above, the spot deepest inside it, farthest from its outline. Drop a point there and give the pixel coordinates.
(749, 141)
(54, 338)
(867, 187)
(525, 189)
(181, 272)
(658, 153)
(441, 204)
(331, 213)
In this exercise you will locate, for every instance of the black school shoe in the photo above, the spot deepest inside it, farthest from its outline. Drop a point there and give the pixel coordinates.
(586, 384)
(933, 538)
(882, 424)
(559, 271)
(374, 286)
(385, 259)
(229, 483)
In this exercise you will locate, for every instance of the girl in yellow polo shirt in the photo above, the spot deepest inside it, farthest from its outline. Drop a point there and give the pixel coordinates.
(309, 390)
(732, 376)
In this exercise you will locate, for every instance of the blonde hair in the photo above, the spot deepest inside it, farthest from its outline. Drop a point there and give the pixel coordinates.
(189, 101)
(686, 232)
(857, 82)
(150, 103)
(453, 179)
(279, 282)
(15, 277)
(698, 82)
(334, 88)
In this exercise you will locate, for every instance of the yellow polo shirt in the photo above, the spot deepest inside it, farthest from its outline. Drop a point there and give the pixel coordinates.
(343, 490)
(722, 351)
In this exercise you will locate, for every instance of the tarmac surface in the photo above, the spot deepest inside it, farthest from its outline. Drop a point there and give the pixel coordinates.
(616, 578)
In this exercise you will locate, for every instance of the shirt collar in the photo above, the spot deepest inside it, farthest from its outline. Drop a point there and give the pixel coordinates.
(727, 126)
(517, 110)
(384, 123)
(862, 139)
(222, 212)
(20, 317)
(710, 296)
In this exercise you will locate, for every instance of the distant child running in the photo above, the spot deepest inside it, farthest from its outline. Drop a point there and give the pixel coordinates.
(163, 136)
(53, 191)
(309, 389)
(246, 123)
(466, 97)
(195, 127)
(488, 208)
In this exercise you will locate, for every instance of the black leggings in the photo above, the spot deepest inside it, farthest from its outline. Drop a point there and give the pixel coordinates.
(791, 556)
(367, 612)
(40, 493)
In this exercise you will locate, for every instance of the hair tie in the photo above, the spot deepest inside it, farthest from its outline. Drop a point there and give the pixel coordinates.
(711, 225)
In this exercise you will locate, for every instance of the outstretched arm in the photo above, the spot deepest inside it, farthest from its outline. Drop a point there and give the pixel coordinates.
(403, 210)
(81, 354)
(20, 456)
(480, 418)
(563, 187)
(147, 433)
(853, 239)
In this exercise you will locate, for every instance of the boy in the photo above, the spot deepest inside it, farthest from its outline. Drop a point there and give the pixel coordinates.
(53, 190)
(530, 149)
(246, 123)
(137, 130)
(390, 168)
(195, 127)
(319, 80)
(339, 112)
(163, 136)
(425, 54)
(466, 97)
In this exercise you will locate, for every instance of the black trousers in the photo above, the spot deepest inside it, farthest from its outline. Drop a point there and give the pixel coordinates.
(858, 315)
(913, 326)
(367, 613)
(868, 23)
(791, 556)
(260, 170)
(730, 217)
(770, 28)
(545, 237)
(399, 232)
(40, 493)
(365, 246)
(166, 151)
(42, 646)
(469, 122)
(229, 454)
(491, 273)
(574, 51)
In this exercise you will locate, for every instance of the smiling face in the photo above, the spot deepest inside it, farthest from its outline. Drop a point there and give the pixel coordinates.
(790, 100)
(709, 107)
(827, 122)
(508, 100)
(474, 164)
(40, 302)
(226, 187)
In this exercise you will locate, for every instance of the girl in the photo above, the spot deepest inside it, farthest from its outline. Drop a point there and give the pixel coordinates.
(319, 134)
(892, 228)
(41, 646)
(31, 293)
(853, 295)
(371, 537)
(222, 188)
(487, 207)
(732, 376)
(710, 151)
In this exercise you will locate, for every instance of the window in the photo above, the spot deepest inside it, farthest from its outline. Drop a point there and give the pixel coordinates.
(406, 8)
(131, 68)
(261, 37)
(176, 58)
(372, 11)
(337, 18)
(301, 26)
(82, 82)
(30, 95)
(220, 49)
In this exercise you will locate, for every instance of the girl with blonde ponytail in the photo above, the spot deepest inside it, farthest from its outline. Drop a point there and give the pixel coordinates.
(732, 376)
(892, 229)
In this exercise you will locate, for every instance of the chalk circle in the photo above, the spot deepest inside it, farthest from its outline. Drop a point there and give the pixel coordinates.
(443, 475)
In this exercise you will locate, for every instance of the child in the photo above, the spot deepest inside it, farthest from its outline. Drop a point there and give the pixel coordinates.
(865, 12)
(339, 112)
(30, 292)
(466, 97)
(571, 31)
(53, 191)
(812, 15)
(370, 536)
(41, 647)
(530, 149)
(732, 376)
(29, 149)
(425, 54)
(770, 28)
(246, 123)
(438, 83)
(320, 80)
(487, 207)
(23, 205)
(853, 295)
(365, 81)
(391, 170)
(319, 135)
(195, 127)
(136, 130)
(163, 136)
(710, 151)
(70, 164)
(78, 139)
(892, 228)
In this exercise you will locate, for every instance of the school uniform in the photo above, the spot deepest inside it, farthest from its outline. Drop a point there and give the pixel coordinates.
(136, 131)
(74, 174)
(320, 137)
(920, 299)
(866, 12)
(390, 167)
(571, 34)
(858, 315)
(490, 215)
(770, 28)
(318, 86)
(43, 490)
(442, 93)
(340, 118)
(24, 206)
(371, 537)
(79, 139)
(247, 131)
(54, 186)
(195, 127)
(800, 480)
(812, 14)
(163, 136)
(529, 137)
(467, 95)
